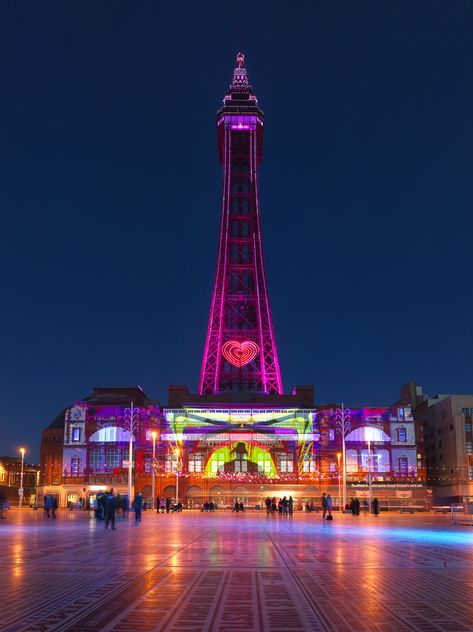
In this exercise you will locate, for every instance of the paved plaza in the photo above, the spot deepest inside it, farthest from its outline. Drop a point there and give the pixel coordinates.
(229, 572)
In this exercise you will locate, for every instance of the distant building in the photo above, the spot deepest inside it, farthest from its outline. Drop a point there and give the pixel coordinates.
(446, 423)
(10, 477)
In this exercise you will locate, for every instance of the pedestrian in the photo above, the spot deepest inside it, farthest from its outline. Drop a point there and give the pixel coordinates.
(47, 505)
(158, 504)
(3, 504)
(324, 506)
(290, 505)
(53, 505)
(357, 506)
(353, 507)
(138, 504)
(365, 506)
(284, 504)
(329, 507)
(168, 505)
(110, 507)
(267, 502)
(376, 507)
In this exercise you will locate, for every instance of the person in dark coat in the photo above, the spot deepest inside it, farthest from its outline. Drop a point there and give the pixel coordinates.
(168, 505)
(47, 504)
(3, 504)
(290, 505)
(357, 506)
(138, 504)
(110, 507)
(324, 505)
(158, 504)
(376, 507)
(267, 502)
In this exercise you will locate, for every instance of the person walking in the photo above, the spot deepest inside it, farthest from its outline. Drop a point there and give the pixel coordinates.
(324, 506)
(3, 504)
(357, 506)
(267, 502)
(138, 504)
(329, 507)
(110, 507)
(168, 505)
(376, 507)
(158, 504)
(290, 505)
(47, 504)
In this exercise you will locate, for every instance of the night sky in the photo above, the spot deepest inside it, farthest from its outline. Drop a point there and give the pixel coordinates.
(110, 195)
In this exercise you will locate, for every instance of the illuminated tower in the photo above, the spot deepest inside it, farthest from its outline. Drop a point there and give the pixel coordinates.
(240, 350)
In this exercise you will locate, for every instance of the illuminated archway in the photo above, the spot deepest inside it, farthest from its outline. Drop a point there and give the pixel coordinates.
(258, 459)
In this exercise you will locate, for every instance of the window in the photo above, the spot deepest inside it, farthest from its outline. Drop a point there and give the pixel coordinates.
(469, 447)
(331, 435)
(195, 463)
(96, 459)
(217, 462)
(76, 434)
(309, 464)
(113, 458)
(75, 466)
(286, 463)
(264, 462)
(403, 466)
(468, 427)
(170, 463)
(240, 464)
(402, 435)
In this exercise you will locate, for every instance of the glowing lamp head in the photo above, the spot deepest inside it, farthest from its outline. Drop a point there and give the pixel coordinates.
(22, 451)
(154, 434)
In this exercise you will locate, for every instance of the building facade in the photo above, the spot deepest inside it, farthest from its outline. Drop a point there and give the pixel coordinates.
(240, 437)
(10, 480)
(446, 423)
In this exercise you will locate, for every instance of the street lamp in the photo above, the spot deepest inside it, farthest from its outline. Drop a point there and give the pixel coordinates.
(177, 475)
(344, 426)
(154, 434)
(370, 487)
(131, 424)
(339, 454)
(20, 489)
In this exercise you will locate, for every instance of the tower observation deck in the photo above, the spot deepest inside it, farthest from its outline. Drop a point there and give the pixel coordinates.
(240, 351)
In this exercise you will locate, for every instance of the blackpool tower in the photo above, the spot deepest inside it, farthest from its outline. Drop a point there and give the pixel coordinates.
(240, 351)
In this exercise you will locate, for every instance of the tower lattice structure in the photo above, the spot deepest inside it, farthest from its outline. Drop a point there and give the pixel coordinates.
(240, 351)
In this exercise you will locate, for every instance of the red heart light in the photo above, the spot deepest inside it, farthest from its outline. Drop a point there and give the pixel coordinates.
(240, 353)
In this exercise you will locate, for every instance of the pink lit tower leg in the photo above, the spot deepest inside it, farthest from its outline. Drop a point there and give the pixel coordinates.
(240, 351)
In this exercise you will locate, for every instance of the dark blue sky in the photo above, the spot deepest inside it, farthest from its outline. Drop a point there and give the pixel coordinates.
(110, 191)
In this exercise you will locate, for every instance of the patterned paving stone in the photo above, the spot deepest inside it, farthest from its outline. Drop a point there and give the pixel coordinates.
(228, 573)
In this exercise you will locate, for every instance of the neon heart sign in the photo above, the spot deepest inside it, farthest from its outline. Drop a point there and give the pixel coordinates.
(240, 353)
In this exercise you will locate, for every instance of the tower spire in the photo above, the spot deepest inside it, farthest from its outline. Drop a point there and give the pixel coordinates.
(240, 76)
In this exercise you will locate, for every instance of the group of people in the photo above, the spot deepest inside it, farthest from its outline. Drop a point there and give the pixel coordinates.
(354, 506)
(208, 506)
(284, 506)
(165, 505)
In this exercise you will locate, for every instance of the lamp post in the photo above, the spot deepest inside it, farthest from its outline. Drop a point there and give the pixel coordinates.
(369, 471)
(344, 426)
(131, 424)
(153, 473)
(177, 475)
(20, 489)
(340, 506)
